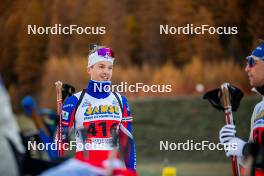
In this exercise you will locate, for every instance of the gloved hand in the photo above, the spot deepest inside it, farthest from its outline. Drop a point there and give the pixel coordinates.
(234, 147)
(227, 133)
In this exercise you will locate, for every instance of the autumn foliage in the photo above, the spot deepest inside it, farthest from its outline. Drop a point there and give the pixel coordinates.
(133, 32)
(183, 80)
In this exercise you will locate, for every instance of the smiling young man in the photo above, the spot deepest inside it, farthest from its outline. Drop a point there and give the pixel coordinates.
(94, 112)
(255, 71)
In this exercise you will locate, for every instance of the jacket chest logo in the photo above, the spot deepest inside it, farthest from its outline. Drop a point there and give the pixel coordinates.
(102, 109)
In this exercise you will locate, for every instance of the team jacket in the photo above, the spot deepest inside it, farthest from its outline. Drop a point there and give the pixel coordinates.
(98, 113)
(257, 123)
(257, 131)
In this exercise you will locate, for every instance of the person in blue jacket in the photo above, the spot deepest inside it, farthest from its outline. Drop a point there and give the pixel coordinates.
(99, 111)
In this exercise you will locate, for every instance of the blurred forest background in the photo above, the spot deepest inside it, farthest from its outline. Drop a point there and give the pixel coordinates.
(30, 64)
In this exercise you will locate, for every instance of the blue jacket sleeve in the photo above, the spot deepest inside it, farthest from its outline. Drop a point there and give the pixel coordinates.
(68, 109)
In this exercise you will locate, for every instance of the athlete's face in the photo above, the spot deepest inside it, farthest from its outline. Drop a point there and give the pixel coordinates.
(101, 71)
(256, 73)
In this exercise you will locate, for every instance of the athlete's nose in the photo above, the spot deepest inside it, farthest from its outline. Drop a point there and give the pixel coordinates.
(106, 71)
(247, 68)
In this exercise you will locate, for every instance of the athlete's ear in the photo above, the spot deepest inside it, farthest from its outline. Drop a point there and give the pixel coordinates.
(88, 70)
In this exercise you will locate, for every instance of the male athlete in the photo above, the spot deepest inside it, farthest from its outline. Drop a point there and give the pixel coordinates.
(94, 112)
(255, 71)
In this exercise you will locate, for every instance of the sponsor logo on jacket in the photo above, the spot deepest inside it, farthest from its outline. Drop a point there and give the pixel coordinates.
(102, 109)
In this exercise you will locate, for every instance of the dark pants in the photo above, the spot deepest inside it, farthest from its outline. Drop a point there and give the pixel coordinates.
(31, 166)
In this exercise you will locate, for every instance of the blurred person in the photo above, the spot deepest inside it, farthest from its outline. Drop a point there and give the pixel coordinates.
(14, 160)
(46, 129)
(255, 71)
(98, 110)
(10, 141)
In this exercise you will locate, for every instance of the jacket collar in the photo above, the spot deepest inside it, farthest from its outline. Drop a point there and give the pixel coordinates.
(98, 89)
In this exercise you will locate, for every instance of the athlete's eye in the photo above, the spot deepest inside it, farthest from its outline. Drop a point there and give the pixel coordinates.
(101, 66)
